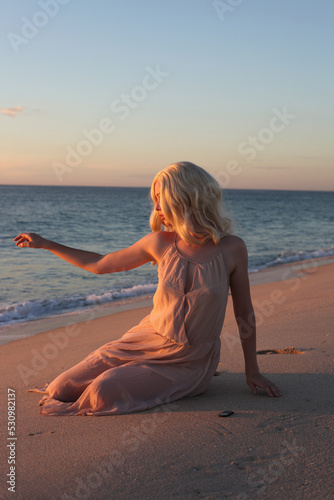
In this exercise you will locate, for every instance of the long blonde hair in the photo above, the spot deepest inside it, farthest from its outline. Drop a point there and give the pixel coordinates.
(191, 201)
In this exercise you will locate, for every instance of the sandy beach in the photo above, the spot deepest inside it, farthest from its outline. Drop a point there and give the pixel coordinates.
(269, 448)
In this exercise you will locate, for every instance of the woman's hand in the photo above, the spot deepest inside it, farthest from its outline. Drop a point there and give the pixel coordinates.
(254, 380)
(30, 240)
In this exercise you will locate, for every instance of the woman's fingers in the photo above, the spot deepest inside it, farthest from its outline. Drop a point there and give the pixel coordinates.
(275, 390)
(31, 240)
(252, 387)
(22, 235)
(21, 239)
(22, 242)
(270, 388)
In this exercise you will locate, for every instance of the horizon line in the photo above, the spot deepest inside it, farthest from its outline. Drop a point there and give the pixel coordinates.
(148, 187)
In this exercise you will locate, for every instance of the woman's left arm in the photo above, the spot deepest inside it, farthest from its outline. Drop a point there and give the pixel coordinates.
(245, 317)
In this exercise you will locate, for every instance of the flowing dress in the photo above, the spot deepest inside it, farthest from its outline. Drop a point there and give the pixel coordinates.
(172, 353)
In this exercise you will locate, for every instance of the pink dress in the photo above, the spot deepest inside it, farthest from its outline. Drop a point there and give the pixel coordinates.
(172, 353)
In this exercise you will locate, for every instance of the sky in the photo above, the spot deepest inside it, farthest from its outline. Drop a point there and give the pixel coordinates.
(100, 93)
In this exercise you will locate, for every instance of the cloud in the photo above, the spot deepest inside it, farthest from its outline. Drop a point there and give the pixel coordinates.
(12, 111)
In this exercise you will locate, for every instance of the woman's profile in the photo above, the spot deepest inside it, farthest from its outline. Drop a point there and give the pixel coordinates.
(175, 350)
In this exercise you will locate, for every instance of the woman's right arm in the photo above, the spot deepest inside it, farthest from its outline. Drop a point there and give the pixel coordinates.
(245, 318)
(143, 251)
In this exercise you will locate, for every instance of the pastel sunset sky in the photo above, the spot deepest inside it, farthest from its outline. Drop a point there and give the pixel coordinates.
(108, 93)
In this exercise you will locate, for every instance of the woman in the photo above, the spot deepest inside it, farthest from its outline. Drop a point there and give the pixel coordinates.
(175, 350)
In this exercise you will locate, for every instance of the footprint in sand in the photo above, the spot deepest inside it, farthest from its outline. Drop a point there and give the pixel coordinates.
(287, 350)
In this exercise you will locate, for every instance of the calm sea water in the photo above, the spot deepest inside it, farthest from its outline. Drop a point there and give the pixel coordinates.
(277, 226)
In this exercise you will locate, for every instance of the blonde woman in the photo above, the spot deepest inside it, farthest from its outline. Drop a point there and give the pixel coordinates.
(174, 351)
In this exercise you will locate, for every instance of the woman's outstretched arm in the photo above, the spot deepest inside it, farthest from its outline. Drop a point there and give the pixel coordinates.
(136, 255)
(245, 317)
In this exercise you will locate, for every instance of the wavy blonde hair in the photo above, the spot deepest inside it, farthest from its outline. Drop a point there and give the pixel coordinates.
(191, 201)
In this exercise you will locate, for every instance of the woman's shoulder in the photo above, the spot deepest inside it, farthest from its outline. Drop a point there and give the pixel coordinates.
(159, 242)
(162, 237)
(234, 242)
(234, 251)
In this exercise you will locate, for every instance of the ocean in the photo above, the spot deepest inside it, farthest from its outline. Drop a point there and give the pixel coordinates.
(277, 226)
